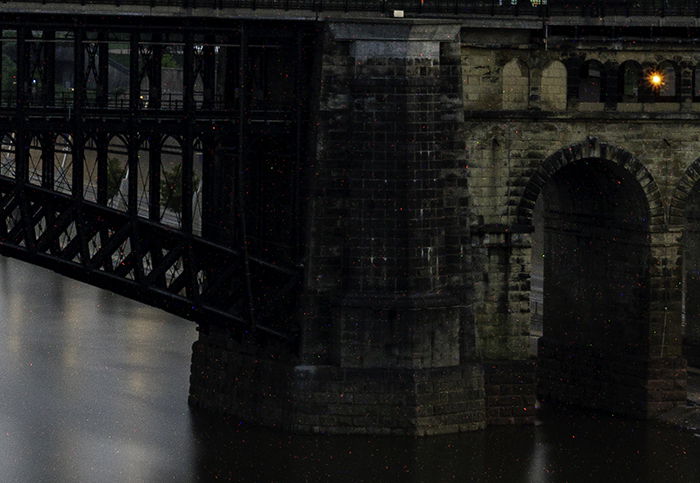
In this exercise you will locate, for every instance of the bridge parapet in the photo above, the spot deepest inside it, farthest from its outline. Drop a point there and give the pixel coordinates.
(516, 13)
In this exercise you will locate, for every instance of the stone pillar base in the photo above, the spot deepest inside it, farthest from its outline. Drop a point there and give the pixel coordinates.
(510, 391)
(330, 399)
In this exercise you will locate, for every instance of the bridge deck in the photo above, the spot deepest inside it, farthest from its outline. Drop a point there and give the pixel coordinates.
(504, 13)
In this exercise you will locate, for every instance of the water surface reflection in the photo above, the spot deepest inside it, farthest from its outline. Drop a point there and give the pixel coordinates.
(580, 447)
(94, 388)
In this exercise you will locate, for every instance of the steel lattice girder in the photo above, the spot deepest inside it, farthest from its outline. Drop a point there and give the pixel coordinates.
(226, 274)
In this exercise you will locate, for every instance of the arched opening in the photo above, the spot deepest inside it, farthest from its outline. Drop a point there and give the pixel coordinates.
(668, 91)
(630, 78)
(647, 91)
(554, 86)
(515, 85)
(590, 83)
(696, 83)
(594, 228)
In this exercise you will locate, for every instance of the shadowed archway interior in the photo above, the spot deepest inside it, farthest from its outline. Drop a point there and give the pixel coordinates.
(595, 225)
(691, 277)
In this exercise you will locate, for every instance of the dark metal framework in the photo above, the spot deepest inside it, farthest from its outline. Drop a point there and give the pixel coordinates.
(161, 161)
(543, 8)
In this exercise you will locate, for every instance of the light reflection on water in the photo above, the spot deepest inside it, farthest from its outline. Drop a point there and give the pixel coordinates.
(94, 388)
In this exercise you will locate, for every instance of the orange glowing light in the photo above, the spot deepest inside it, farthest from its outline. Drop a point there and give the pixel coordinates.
(656, 79)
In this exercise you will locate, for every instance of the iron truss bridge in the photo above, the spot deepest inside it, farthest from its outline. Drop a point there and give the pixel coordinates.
(165, 163)
(541, 8)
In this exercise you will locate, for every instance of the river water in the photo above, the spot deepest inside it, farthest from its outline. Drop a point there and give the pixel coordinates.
(93, 387)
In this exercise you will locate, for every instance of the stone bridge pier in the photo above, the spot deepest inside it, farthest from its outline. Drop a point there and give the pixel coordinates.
(414, 314)
(387, 331)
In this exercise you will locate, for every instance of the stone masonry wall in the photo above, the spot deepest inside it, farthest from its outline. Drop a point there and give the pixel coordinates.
(498, 176)
(512, 154)
(389, 278)
(389, 209)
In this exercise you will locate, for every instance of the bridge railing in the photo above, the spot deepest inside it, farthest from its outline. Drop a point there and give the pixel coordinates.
(543, 8)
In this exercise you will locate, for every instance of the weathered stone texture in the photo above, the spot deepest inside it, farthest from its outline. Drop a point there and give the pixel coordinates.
(510, 391)
(431, 155)
(515, 86)
(553, 86)
(230, 377)
(512, 157)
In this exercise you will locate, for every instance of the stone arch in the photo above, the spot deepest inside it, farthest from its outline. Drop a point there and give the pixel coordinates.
(515, 82)
(681, 194)
(604, 260)
(591, 148)
(554, 86)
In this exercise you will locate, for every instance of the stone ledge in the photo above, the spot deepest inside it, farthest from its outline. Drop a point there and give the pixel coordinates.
(388, 30)
(545, 115)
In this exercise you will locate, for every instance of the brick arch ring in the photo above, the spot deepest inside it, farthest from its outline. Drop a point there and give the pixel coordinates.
(592, 147)
(681, 193)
